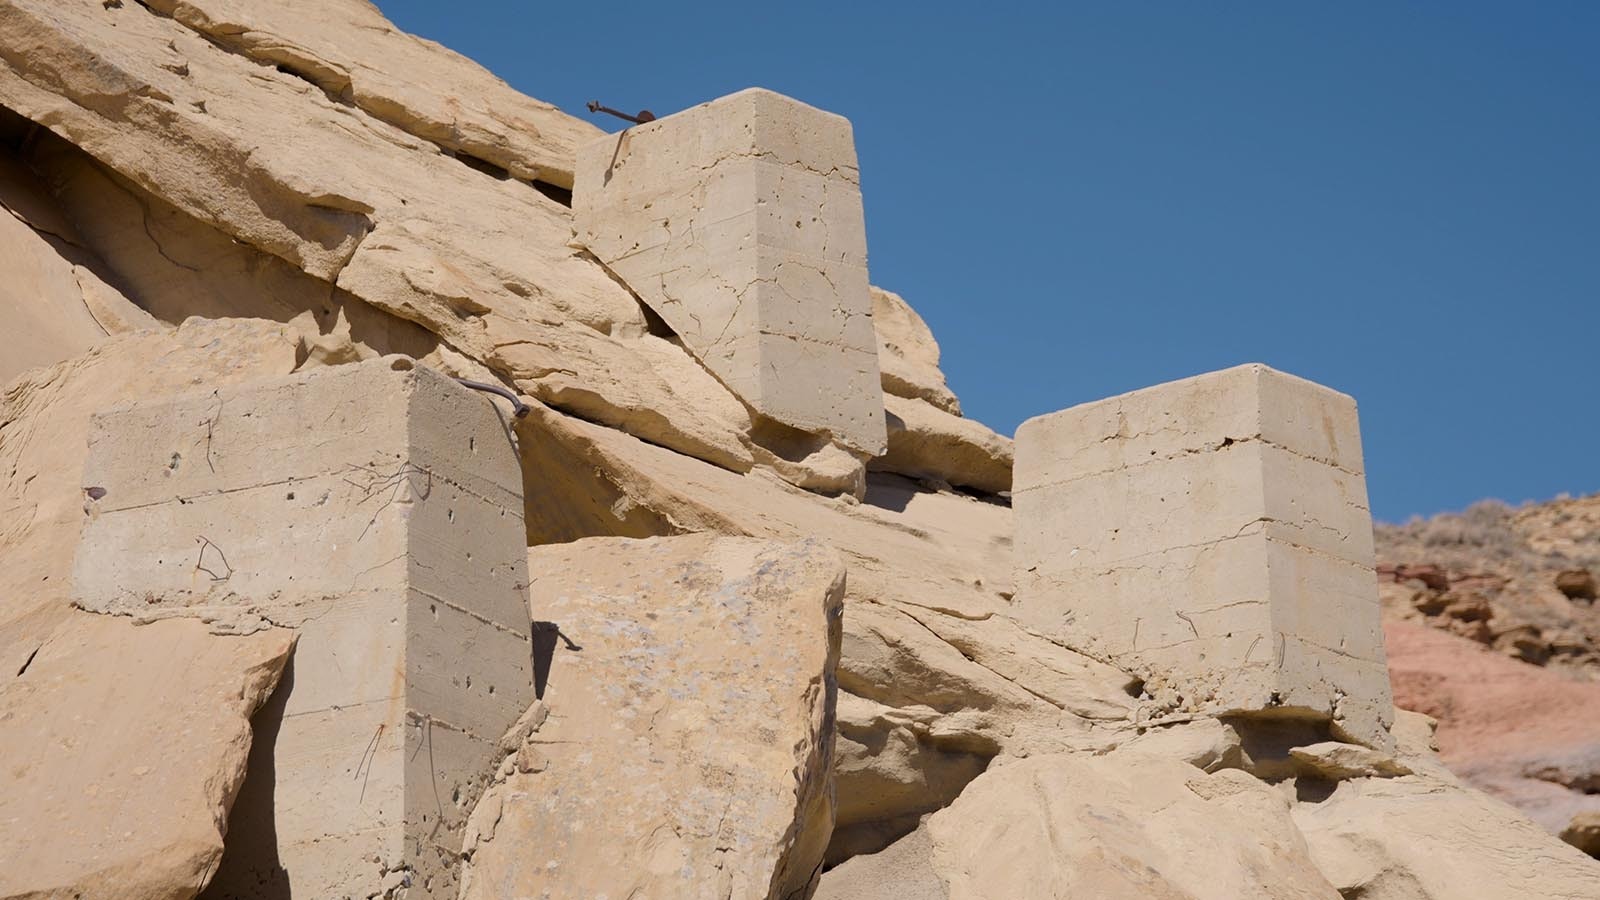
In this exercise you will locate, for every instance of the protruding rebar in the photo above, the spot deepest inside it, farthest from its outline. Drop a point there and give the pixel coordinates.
(643, 116)
(518, 408)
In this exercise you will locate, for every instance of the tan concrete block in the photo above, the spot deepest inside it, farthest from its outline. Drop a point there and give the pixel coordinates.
(1197, 498)
(377, 509)
(1220, 588)
(1187, 416)
(352, 655)
(1317, 505)
(1212, 535)
(737, 220)
(227, 548)
(463, 670)
(1327, 602)
(339, 773)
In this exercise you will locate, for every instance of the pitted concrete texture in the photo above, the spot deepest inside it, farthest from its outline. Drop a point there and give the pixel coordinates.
(740, 223)
(1213, 536)
(377, 509)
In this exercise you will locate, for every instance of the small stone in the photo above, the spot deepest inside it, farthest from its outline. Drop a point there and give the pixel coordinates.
(1583, 832)
(1337, 761)
(1577, 584)
(531, 759)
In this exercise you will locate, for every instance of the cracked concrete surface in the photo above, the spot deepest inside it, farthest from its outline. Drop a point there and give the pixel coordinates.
(394, 495)
(1212, 535)
(740, 223)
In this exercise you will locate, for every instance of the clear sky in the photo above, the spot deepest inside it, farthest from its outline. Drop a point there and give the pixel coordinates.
(1400, 200)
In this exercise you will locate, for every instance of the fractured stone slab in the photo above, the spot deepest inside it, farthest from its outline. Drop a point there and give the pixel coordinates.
(377, 508)
(1212, 535)
(740, 223)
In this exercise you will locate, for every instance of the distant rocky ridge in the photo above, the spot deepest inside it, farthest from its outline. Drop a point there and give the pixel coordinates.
(1514, 677)
(245, 241)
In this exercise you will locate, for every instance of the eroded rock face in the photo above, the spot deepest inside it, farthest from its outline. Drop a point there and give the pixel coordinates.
(419, 210)
(908, 355)
(1432, 839)
(928, 638)
(1069, 826)
(927, 442)
(54, 302)
(124, 747)
(353, 53)
(688, 749)
(479, 261)
(1526, 735)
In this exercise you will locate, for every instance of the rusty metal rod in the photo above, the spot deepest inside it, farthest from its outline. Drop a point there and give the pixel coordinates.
(644, 115)
(519, 409)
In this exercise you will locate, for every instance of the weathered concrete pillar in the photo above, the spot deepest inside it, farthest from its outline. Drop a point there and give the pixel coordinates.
(378, 512)
(739, 222)
(1213, 536)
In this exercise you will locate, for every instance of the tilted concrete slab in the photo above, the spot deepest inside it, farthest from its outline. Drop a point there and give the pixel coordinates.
(378, 511)
(1213, 536)
(740, 223)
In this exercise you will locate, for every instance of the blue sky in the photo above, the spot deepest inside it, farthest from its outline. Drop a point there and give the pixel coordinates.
(1399, 200)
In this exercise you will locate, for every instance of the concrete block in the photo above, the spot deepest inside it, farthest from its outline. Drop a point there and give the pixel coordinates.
(1213, 536)
(377, 509)
(740, 223)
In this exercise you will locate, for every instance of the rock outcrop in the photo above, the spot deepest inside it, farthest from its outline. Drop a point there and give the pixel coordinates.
(668, 624)
(1526, 735)
(908, 355)
(689, 741)
(124, 747)
(1135, 827)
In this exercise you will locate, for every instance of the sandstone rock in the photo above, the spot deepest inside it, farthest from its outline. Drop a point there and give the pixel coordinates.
(922, 565)
(44, 431)
(1431, 839)
(1577, 584)
(927, 442)
(928, 638)
(1338, 761)
(669, 766)
(1126, 827)
(1510, 563)
(1583, 832)
(480, 262)
(1431, 575)
(350, 50)
(1212, 535)
(739, 222)
(1526, 735)
(894, 769)
(124, 749)
(908, 356)
(54, 304)
(420, 210)
(900, 871)
(175, 266)
(1204, 743)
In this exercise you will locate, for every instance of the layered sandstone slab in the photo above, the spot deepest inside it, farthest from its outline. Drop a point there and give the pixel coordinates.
(124, 746)
(740, 222)
(378, 511)
(1213, 535)
(688, 750)
(1128, 828)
